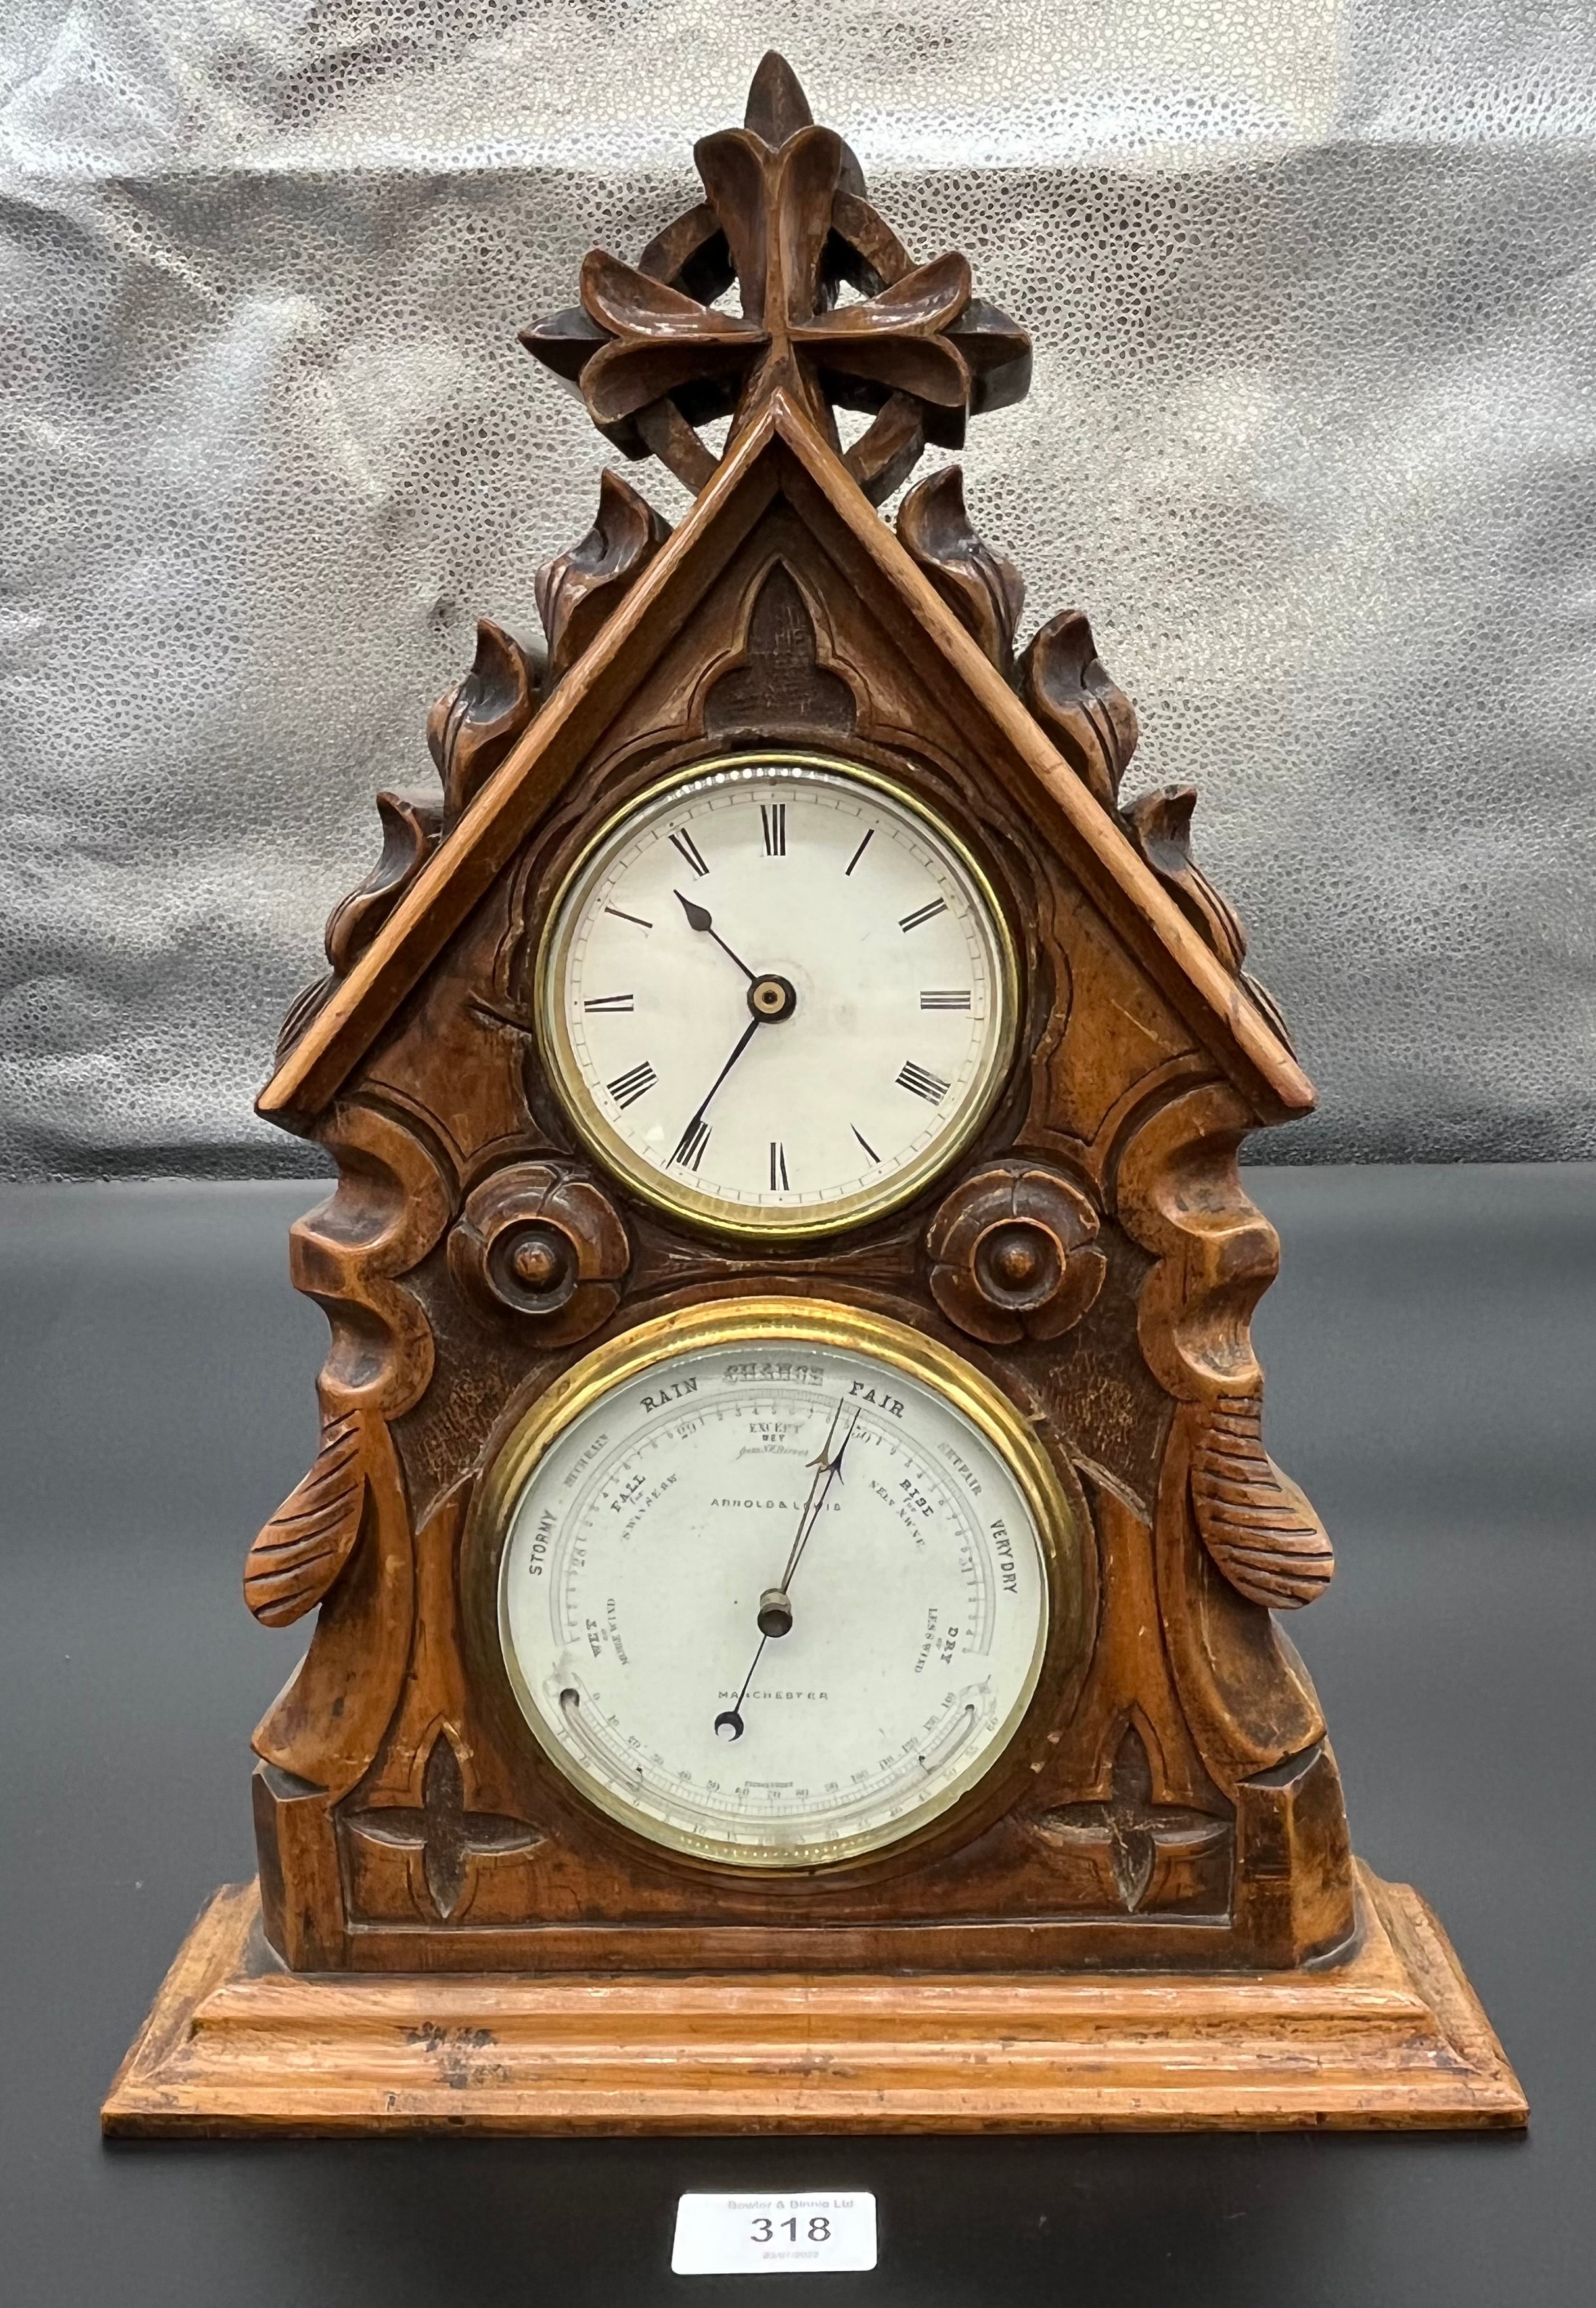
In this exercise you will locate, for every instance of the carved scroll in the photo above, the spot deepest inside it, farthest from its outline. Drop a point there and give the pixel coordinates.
(578, 590)
(390, 1206)
(472, 726)
(1180, 1194)
(1087, 715)
(985, 591)
(1256, 1523)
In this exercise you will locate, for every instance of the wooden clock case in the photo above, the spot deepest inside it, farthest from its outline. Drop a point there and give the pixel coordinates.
(1150, 1913)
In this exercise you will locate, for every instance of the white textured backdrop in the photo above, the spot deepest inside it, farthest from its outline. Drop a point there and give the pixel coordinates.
(1313, 438)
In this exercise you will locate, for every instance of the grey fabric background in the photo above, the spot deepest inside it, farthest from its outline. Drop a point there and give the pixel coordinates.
(1313, 438)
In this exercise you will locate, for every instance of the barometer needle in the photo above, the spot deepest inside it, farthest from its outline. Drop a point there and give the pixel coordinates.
(699, 918)
(828, 1468)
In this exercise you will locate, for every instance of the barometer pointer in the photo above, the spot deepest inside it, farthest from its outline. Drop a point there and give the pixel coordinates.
(776, 1610)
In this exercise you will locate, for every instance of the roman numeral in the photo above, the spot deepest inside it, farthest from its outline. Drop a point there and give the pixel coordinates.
(864, 1141)
(693, 1140)
(778, 1165)
(924, 1085)
(772, 816)
(613, 1003)
(913, 921)
(859, 852)
(621, 917)
(686, 848)
(628, 1088)
(944, 1001)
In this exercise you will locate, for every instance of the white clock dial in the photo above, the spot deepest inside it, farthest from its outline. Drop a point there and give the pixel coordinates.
(772, 1598)
(777, 996)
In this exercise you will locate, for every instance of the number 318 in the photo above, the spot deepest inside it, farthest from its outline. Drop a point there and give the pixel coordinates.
(817, 2232)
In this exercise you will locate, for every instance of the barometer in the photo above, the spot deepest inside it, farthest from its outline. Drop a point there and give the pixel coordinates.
(776, 1582)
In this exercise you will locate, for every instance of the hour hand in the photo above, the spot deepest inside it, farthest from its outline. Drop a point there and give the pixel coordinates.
(700, 918)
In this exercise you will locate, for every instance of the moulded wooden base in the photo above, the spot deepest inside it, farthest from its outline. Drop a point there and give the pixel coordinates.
(1392, 2038)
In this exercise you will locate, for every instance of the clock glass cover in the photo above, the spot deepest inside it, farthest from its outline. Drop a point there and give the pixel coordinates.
(776, 1579)
(777, 994)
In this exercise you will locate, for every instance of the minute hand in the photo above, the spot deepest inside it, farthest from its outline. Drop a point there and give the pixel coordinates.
(684, 1143)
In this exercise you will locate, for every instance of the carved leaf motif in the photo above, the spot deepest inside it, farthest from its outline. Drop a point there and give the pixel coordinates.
(1255, 1523)
(296, 1558)
(578, 590)
(1069, 691)
(1160, 826)
(472, 727)
(411, 824)
(985, 592)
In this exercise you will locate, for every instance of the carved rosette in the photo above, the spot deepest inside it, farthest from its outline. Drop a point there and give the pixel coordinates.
(1012, 1254)
(541, 1241)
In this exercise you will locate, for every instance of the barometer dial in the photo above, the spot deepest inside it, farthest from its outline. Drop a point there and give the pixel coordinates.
(777, 996)
(776, 1579)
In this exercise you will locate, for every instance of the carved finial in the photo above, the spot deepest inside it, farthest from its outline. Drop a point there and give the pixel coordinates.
(777, 106)
(785, 217)
(985, 592)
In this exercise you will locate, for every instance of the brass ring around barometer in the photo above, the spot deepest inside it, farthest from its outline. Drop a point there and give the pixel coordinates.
(771, 1323)
(772, 999)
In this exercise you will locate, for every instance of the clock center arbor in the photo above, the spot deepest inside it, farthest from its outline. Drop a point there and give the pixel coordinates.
(792, 1503)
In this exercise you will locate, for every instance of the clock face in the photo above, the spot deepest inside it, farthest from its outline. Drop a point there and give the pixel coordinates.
(775, 1583)
(777, 996)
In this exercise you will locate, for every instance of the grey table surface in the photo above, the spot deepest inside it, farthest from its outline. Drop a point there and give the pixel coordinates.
(1430, 1353)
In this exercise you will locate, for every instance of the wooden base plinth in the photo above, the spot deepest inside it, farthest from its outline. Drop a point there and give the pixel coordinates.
(1392, 2038)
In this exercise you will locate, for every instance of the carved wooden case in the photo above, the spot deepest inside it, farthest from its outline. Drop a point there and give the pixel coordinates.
(1173, 1803)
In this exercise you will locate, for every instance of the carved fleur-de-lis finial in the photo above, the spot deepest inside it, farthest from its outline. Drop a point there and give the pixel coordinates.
(786, 218)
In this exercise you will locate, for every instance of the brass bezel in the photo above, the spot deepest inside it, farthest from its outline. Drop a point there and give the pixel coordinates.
(707, 1212)
(797, 1321)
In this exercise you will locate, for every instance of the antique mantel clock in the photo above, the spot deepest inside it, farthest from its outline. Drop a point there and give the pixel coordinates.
(795, 1552)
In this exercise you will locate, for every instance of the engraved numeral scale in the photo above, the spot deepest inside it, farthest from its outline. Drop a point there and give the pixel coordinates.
(795, 1556)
